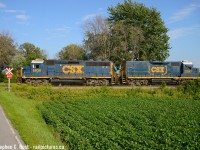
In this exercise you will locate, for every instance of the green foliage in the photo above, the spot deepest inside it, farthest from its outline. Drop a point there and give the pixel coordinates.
(72, 52)
(27, 120)
(125, 123)
(2, 77)
(13, 79)
(7, 49)
(31, 52)
(192, 89)
(18, 61)
(126, 40)
(47, 92)
(154, 45)
(163, 85)
(118, 118)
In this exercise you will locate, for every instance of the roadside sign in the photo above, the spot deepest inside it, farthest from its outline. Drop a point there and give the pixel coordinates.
(9, 76)
(9, 70)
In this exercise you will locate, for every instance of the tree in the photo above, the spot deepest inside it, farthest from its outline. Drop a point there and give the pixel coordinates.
(18, 61)
(72, 52)
(31, 52)
(97, 38)
(148, 21)
(126, 41)
(7, 49)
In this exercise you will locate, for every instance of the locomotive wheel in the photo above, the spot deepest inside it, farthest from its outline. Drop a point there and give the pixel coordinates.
(91, 82)
(19, 80)
(45, 81)
(94, 82)
(28, 81)
(146, 82)
(103, 82)
(131, 82)
(32, 81)
(106, 82)
(138, 83)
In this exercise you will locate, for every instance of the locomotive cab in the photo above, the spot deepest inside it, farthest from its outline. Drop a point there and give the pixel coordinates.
(37, 67)
(35, 73)
(187, 69)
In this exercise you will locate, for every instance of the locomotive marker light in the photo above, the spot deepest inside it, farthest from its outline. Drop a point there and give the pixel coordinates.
(9, 75)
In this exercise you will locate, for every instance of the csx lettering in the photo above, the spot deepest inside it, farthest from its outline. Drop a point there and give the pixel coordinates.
(72, 69)
(158, 69)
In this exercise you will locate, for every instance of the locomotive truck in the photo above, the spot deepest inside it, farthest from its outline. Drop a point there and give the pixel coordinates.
(105, 73)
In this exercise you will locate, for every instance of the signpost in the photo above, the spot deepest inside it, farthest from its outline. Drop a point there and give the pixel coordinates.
(9, 75)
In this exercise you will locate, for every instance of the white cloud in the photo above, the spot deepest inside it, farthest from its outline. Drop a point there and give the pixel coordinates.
(14, 11)
(184, 31)
(22, 17)
(100, 9)
(57, 32)
(63, 28)
(2, 5)
(10, 11)
(89, 16)
(23, 23)
(183, 13)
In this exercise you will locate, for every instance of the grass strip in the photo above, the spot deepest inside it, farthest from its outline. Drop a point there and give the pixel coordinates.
(27, 119)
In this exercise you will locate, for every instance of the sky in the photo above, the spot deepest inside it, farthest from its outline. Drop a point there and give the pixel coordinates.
(54, 24)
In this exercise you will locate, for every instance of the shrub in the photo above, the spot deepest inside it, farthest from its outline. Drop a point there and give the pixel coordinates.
(2, 77)
(163, 85)
(191, 88)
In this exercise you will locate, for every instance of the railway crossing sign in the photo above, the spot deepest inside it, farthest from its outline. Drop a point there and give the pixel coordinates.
(9, 75)
(9, 71)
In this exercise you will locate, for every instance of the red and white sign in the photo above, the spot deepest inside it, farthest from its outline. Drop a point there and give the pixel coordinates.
(9, 72)
(9, 76)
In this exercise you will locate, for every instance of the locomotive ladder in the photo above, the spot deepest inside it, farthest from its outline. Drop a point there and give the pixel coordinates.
(124, 79)
(113, 80)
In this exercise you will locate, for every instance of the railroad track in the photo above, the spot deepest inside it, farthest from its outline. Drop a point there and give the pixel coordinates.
(114, 86)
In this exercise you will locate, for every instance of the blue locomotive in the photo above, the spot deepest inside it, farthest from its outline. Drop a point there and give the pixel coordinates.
(59, 71)
(105, 73)
(147, 72)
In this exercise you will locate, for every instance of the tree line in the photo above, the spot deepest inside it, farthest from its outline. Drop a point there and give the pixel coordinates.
(131, 31)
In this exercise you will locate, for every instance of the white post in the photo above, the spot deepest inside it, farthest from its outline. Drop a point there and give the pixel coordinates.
(8, 84)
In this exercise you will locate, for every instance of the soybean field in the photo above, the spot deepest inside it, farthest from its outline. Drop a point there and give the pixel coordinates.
(125, 122)
(105, 117)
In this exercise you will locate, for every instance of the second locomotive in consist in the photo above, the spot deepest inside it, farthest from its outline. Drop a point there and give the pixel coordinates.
(149, 72)
(103, 72)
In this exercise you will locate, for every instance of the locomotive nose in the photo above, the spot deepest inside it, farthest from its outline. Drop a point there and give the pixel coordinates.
(199, 71)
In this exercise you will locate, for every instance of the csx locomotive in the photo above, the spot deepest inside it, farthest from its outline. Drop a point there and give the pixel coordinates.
(105, 72)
